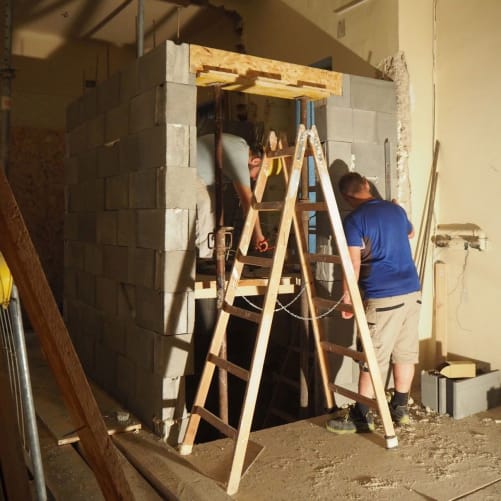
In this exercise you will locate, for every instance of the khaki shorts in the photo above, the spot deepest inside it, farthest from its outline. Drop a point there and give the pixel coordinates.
(393, 325)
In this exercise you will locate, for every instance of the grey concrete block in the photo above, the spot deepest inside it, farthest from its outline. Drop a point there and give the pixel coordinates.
(70, 226)
(338, 156)
(106, 296)
(85, 348)
(179, 188)
(364, 126)
(139, 346)
(116, 123)
(105, 368)
(126, 380)
(108, 160)
(74, 114)
(176, 104)
(129, 84)
(108, 94)
(386, 127)
(146, 401)
(93, 259)
(86, 231)
(193, 147)
(95, 136)
(173, 355)
(369, 160)
(152, 147)
(86, 288)
(87, 165)
(107, 227)
(77, 139)
(371, 94)
(114, 330)
(92, 322)
(178, 145)
(176, 271)
(129, 153)
(127, 302)
(142, 267)
(117, 192)
(70, 170)
(143, 111)
(126, 234)
(89, 101)
(87, 196)
(145, 188)
(116, 262)
(74, 255)
(70, 283)
(150, 228)
(335, 124)
(177, 229)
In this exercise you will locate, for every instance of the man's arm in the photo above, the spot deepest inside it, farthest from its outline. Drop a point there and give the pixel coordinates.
(356, 259)
(245, 195)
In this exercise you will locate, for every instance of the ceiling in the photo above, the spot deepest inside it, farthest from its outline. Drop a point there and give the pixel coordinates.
(112, 21)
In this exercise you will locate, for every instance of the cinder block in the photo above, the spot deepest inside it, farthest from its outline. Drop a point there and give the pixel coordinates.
(139, 346)
(77, 139)
(144, 188)
(176, 104)
(461, 397)
(108, 94)
(87, 165)
(92, 321)
(106, 296)
(86, 227)
(364, 126)
(74, 255)
(179, 188)
(95, 135)
(178, 145)
(127, 302)
(129, 153)
(143, 111)
(166, 63)
(173, 355)
(70, 226)
(338, 157)
(126, 228)
(175, 271)
(71, 170)
(74, 114)
(85, 348)
(126, 380)
(129, 82)
(146, 402)
(180, 313)
(177, 229)
(93, 259)
(117, 192)
(371, 94)
(369, 160)
(193, 147)
(116, 262)
(108, 160)
(89, 100)
(116, 123)
(386, 127)
(114, 332)
(105, 368)
(152, 147)
(142, 266)
(150, 309)
(86, 288)
(107, 227)
(88, 196)
(334, 124)
(150, 228)
(70, 283)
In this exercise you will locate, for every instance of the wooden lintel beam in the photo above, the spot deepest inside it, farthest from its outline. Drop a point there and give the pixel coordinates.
(42, 310)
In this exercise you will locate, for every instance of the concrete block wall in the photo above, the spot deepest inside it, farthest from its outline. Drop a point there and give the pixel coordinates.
(353, 129)
(129, 233)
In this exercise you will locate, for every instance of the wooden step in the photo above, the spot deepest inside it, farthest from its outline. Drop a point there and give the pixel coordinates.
(242, 313)
(215, 421)
(268, 206)
(324, 258)
(262, 262)
(234, 369)
(310, 206)
(353, 395)
(359, 356)
(326, 304)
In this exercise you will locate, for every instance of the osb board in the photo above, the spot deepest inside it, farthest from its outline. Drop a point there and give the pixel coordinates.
(36, 175)
(52, 412)
(257, 75)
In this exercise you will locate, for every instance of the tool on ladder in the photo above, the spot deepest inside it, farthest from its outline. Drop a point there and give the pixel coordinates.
(290, 209)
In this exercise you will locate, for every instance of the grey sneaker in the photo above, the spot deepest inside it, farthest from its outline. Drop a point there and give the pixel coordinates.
(352, 422)
(400, 414)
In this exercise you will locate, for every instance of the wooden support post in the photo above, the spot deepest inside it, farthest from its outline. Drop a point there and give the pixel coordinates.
(23, 261)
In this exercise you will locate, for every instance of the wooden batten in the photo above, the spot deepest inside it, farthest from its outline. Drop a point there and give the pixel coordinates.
(257, 75)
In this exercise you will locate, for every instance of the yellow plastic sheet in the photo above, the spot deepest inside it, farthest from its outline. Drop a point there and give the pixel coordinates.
(6, 282)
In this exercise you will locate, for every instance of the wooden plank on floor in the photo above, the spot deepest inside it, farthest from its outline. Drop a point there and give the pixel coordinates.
(172, 476)
(51, 410)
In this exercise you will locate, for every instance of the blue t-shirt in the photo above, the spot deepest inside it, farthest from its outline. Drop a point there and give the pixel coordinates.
(381, 229)
(235, 159)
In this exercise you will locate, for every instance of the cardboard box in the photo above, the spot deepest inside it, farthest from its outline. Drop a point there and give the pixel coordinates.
(457, 369)
(460, 397)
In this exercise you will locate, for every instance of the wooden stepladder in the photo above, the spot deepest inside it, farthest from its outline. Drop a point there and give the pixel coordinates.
(290, 209)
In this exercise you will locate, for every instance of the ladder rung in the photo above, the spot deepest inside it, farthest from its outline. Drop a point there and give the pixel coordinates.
(313, 206)
(324, 258)
(283, 153)
(288, 418)
(263, 262)
(268, 206)
(354, 396)
(286, 380)
(326, 304)
(341, 350)
(228, 366)
(242, 313)
(216, 422)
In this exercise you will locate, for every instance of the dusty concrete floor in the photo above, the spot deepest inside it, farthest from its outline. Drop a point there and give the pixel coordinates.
(438, 458)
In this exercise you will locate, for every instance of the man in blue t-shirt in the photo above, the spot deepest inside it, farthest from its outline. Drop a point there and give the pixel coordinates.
(240, 165)
(377, 234)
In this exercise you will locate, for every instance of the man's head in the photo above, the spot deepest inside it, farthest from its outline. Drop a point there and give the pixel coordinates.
(255, 160)
(355, 188)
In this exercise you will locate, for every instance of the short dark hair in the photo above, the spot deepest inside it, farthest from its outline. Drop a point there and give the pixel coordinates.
(351, 183)
(256, 150)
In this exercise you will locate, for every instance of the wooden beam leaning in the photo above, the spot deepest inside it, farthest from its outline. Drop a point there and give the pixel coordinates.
(257, 75)
(23, 261)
